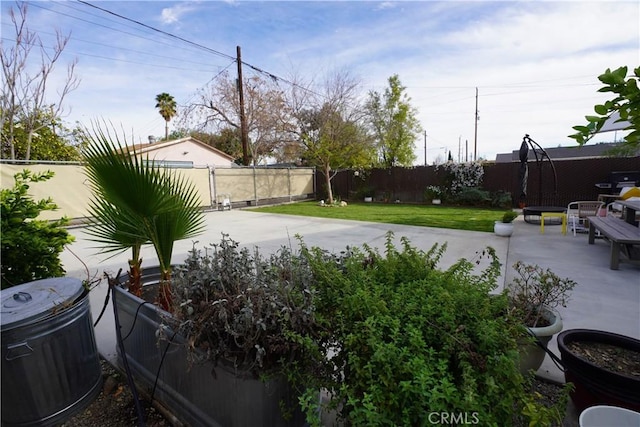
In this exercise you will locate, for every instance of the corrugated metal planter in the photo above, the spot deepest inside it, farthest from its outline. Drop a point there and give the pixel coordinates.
(200, 394)
(50, 362)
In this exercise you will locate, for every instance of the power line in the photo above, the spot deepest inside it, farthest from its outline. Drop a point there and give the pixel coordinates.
(258, 69)
(158, 30)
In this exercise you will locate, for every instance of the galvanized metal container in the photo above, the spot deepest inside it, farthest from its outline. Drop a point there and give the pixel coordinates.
(50, 362)
(200, 394)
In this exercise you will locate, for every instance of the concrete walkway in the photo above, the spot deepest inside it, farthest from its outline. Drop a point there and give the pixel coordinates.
(604, 299)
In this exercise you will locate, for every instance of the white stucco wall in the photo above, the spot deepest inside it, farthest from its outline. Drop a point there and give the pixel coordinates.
(186, 151)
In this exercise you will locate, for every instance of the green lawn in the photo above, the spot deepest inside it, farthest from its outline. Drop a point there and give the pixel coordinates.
(459, 218)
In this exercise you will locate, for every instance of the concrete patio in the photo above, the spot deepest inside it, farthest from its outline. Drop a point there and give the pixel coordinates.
(603, 299)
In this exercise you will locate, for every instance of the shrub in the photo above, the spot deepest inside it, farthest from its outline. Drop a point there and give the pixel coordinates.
(535, 288)
(501, 199)
(407, 339)
(472, 196)
(237, 306)
(433, 192)
(30, 247)
(509, 216)
(461, 175)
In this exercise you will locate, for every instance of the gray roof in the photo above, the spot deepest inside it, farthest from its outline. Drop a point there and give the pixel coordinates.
(563, 153)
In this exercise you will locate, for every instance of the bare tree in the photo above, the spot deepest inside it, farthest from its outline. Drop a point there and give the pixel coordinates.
(218, 108)
(24, 89)
(330, 127)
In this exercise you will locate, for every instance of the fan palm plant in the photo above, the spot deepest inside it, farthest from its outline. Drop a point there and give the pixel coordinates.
(136, 202)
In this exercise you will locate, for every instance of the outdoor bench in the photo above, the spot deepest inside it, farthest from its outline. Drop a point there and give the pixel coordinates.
(620, 233)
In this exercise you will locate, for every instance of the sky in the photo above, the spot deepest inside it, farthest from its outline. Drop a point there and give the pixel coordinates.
(533, 64)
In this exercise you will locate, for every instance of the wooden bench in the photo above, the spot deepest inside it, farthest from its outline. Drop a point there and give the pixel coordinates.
(620, 233)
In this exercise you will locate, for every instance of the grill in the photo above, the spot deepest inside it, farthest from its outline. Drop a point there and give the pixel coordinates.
(619, 180)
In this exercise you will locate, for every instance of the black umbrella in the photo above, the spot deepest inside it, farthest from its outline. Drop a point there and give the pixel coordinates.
(523, 174)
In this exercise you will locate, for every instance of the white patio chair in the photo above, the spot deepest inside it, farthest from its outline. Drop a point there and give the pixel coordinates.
(577, 213)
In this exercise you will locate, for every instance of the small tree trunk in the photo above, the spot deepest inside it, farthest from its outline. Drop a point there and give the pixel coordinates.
(165, 296)
(327, 177)
(135, 277)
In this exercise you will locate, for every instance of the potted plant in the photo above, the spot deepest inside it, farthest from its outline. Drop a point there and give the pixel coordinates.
(410, 342)
(237, 346)
(367, 193)
(534, 294)
(136, 203)
(433, 193)
(504, 227)
(603, 366)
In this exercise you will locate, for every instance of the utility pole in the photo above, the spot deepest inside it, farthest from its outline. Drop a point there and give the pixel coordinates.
(475, 140)
(243, 120)
(425, 148)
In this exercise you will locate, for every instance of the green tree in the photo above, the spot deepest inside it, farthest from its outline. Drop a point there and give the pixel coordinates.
(329, 131)
(46, 143)
(227, 140)
(332, 142)
(394, 124)
(626, 103)
(30, 247)
(167, 108)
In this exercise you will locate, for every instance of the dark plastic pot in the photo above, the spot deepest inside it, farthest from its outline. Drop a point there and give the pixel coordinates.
(594, 385)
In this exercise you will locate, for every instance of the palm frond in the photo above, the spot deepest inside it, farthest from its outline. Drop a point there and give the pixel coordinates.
(137, 202)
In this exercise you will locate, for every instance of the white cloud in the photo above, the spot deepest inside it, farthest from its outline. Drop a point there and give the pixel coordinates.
(386, 5)
(535, 63)
(171, 15)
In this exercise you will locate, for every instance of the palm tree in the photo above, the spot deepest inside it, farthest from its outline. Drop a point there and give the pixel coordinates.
(167, 108)
(136, 202)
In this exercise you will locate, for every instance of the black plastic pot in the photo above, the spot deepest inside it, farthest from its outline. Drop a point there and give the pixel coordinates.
(594, 385)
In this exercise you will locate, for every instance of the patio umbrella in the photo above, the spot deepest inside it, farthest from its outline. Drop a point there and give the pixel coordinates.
(523, 173)
(614, 123)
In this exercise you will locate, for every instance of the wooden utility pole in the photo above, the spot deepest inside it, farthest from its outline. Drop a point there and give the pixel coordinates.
(425, 148)
(475, 138)
(243, 120)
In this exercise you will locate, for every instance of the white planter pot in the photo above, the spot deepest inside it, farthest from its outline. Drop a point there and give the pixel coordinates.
(504, 229)
(603, 415)
(531, 355)
(368, 199)
(436, 201)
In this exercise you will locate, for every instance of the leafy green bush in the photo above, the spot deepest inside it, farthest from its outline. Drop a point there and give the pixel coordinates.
(251, 311)
(472, 196)
(407, 340)
(501, 199)
(509, 216)
(30, 247)
(433, 192)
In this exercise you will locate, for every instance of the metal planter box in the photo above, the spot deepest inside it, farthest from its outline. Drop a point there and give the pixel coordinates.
(200, 394)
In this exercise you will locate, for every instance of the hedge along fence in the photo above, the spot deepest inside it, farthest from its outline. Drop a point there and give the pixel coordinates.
(576, 180)
(69, 187)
